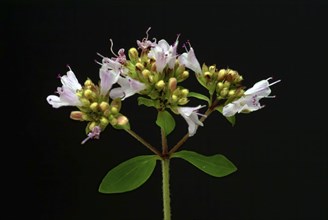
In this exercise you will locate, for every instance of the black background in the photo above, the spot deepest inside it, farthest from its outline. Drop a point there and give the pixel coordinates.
(280, 151)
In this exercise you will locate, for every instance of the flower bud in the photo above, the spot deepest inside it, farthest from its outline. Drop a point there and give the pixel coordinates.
(104, 106)
(92, 125)
(174, 98)
(227, 84)
(133, 54)
(76, 115)
(94, 106)
(89, 94)
(145, 73)
(139, 66)
(180, 70)
(183, 101)
(224, 92)
(231, 92)
(114, 110)
(153, 67)
(160, 85)
(184, 92)
(185, 74)
(85, 102)
(88, 82)
(103, 122)
(221, 74)
(172, 84)
(212, 69)
(220, 85)
(208, 75)
(122, 120)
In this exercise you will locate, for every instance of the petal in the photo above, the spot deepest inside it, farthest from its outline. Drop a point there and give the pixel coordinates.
(231, 109)
(70, 81)
(107, 79)
(117, 93)
(192, 128)
(190, 61)
(56, 102)
(261, 88)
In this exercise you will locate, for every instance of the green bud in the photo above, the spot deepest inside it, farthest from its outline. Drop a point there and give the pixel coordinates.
(145, 73)
(183, 101)
(231, 92)
(160, 84)
(221, 74)
(103, 122)
(212, 69)
(185, 74)
(92, 125)
(139, 66)
(113, 121)
(208, 75)
(88, 82)
(104, 106)
(174, 98)
(89, 94)
(184, 92)
(227, 84)
(133, 54)
(94, 106)
(153, 67)
(114, 110)
(220, 85)
(85, 102)
(180, 70)
(224, 92)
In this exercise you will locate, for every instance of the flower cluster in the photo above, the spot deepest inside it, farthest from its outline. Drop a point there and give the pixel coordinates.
(154, 70)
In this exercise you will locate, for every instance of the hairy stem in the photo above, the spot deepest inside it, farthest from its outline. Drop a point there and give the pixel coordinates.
(166, 188)
(164, 143)
(141, 140)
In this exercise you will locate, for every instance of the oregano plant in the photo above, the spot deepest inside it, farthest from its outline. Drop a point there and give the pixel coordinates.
(153, 71)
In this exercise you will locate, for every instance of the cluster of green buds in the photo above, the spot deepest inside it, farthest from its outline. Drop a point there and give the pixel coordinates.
(161, 85)
(98, 110)
(224, 83)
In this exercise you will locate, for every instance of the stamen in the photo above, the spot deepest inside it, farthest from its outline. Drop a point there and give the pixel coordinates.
(274, 82)
(68, 67)
(98, 62)
(147, 33)
(111, 47)
(58, 76)
(100, 55)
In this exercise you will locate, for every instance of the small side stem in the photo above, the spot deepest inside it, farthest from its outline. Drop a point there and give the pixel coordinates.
(186, 136)
(166, 188)
(141, 140)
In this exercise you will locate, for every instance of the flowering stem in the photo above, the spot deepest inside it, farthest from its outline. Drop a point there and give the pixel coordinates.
(166, 188)
(164, 143)
(141, 140)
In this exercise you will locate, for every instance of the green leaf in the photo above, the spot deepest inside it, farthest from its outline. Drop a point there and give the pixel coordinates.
(216, 165)
(166, 121)
(148, 102)
(198, 96)
(128, 175)
(231, 119)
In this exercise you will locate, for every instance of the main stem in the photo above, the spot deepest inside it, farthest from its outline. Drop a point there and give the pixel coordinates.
(166, 188)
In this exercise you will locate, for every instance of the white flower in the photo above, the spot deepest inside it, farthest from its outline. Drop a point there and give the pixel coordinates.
(251, 99)
(164, 54)
(128, 88)
(190, 115)
(110, 72)
(67, 93)
(190, 61)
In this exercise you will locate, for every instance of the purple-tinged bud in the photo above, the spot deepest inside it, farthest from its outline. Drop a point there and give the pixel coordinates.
(76, 115)
(172, 84)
